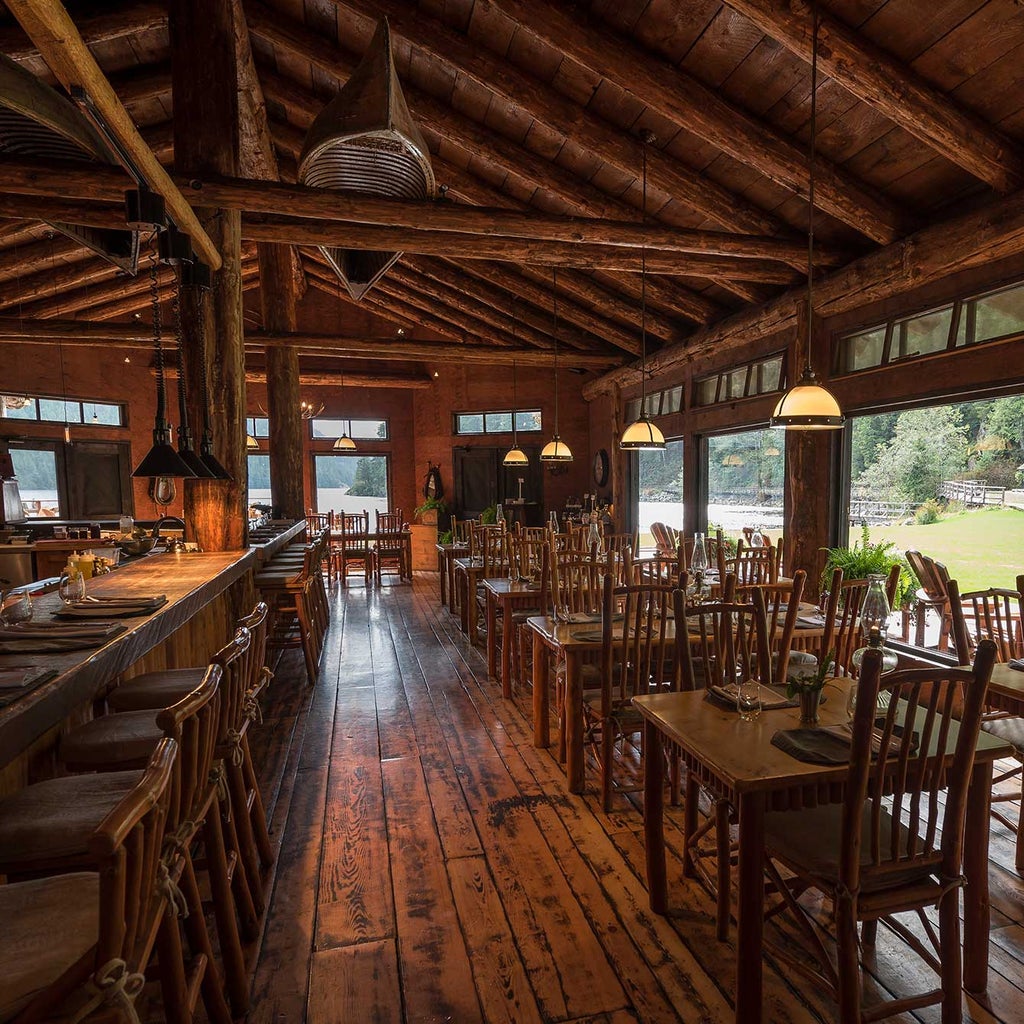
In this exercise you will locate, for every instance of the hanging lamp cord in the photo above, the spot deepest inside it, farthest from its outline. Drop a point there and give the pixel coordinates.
(643, 278)
(154, 296)
(204, 377)
(554, 312)
(515, 439)
(183, 430)
(810, 185)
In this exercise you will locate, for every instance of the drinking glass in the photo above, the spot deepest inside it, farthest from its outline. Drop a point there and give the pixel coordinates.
(72, 588)
(748, 699)
(17, 608)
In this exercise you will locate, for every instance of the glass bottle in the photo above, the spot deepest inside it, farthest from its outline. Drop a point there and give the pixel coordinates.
(699, 556)
(553, 521)
(499, 515)
(594, 534)
(874, 621)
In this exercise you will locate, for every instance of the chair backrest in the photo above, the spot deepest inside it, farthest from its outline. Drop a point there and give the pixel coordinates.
(996, 614)
(354, 526)
(256, 622)
(666, 539)
(726, 641)
(932, 575)
(389, 522)
(126, 846)
(842, 633)
(893, 820)
(194, 723)
(659, 568)
(317, 521)
(526, 553)
(460, 531)
(753, 567)
(620, 542)
(577, 582)
(782, 606)
(640, 651)
(493, 550)
(233, 661)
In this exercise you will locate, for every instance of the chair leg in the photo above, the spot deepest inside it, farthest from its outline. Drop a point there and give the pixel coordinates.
(607, 761)
(257, 813)
(173, 980)
(848, 966)
(724, 872)
(950, 957)
(199, 940)
(243, 827)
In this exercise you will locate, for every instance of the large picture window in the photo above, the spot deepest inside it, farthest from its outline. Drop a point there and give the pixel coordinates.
(351, 483)
(358, 430)
(746, 475)
(659, 489)
(259, 479)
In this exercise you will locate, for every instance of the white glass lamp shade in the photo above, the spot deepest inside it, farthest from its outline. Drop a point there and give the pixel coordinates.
(556, 450)
(344, 444)
(516, 457)
(808, 406)
(642, 435)
(251, 444)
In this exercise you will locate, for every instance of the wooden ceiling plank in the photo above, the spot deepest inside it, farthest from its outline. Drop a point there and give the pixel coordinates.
(698, 108)
(894, 89)
(50, 27)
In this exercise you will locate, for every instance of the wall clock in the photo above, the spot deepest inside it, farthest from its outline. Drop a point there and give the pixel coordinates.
(601, 467)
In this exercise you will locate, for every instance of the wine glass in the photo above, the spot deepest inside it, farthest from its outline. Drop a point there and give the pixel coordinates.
(72, 588)
(748, 698)
(17, 608)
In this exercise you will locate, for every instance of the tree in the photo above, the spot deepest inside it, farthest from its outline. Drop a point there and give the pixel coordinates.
(929, 445)
(371, 479)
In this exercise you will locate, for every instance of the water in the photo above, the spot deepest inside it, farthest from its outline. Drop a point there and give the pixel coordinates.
(330, 499)
(732, 518)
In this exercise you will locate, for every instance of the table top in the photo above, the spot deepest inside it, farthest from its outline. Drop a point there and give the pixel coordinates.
(741, 753)
(190, 581)
(1007, 681)
(502, 585)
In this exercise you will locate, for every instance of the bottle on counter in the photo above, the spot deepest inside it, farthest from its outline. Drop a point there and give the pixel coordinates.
(126, 525)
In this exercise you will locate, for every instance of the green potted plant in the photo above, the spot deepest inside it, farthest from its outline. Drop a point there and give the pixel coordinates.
(428, 512)
(863, 559)
(807, 686)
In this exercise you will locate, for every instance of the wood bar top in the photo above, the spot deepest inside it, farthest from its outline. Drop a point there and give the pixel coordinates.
(189, 580)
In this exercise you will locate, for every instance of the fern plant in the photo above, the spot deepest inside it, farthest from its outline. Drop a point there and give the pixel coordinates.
(864, 558)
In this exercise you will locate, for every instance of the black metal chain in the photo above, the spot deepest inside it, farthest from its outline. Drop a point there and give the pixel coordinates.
(154, 295)
(554, 313)
(204, 379)
(183, 431)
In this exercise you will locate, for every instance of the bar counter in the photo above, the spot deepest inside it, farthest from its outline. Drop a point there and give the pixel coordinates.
(219, 585)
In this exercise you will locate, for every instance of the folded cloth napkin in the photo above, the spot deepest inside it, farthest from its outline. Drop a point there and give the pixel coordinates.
(584, 617)
(58, 630)
(591, 634)
(110, 599)
(1016, 663)
(22, 677)
(829, 744)
(115, 609)
(810, 621)
(771, 698)
(56, 645)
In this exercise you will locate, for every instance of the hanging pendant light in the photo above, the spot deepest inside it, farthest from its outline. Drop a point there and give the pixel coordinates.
(161, 459)
(196, 275)
(809, 405)
(344, 443)
(251, 444)
(642, 435)
(515, 456)
(176, 250)
(556, 450)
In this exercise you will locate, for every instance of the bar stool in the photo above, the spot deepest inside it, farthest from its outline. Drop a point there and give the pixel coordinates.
(81, 941)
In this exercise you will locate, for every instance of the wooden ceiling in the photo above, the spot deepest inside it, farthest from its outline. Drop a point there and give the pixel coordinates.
(538, 107)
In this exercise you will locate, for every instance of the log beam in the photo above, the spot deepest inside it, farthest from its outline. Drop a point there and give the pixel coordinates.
(49, 26)
(891, 88)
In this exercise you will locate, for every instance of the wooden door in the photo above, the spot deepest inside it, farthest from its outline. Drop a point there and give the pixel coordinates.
(476, 480)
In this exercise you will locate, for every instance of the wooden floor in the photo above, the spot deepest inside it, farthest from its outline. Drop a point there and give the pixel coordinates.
(432, 866)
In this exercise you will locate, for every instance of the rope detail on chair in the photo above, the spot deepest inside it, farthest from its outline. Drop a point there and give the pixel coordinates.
(168, 888)
(219, 778)
(252, 710)
(178, 840)
(113, 985)
(237, 754)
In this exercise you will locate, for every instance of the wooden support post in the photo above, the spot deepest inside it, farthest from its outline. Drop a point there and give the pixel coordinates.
(807, 502)
(277, 291)
(206, 141)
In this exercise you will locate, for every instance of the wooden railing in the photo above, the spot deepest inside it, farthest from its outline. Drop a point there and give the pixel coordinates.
(972, 492)
(873, 512)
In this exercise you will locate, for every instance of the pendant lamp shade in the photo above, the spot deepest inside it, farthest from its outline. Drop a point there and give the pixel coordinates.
(809, 405)
(642, 435)
(516, 457)
(161, 459)
(556, 450)
(344, 443)
(251, 444)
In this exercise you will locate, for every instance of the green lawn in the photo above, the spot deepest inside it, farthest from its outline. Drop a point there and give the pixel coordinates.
(981, 548)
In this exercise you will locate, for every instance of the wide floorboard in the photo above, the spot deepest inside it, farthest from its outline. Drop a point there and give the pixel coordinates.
(432, 867)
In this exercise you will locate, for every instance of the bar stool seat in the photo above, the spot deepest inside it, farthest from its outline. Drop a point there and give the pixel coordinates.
(114, 741)
(54, 820)
(155, 690)
(49, 925)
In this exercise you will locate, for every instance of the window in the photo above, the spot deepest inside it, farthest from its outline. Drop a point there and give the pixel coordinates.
(746, 474)
(657, 403)
(659, 490)
(42, 409)
(972, 320)
(258, 426)
(259, 478)
(497, 421)
(351, 483)
(358, 430)
(38, 482)
(758, 378)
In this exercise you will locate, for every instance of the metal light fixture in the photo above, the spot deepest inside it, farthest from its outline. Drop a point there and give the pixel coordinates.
(642, 435)
(809, 405)
(556, 450)
(161, 460)
(251, 444)
(344, 443)
(197, 275)
(307, 410)
(515, 456)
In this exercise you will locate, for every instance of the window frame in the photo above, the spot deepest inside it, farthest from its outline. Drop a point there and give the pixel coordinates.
(484, 413)
(66, 400)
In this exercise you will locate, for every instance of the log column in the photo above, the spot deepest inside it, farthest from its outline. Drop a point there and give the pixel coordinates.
(277, 290)
(206, 142)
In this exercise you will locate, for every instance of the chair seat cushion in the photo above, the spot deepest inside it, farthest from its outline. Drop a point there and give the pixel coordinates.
(155, 690)
(810, 838)
(1010, 729)
(128, 739)
(54, 820)
(49, 924)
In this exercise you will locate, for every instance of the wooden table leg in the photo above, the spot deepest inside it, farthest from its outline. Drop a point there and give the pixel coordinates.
(750, 924)
(691, 801)
(442, 577)
(507, 639)
(453, 591)
(492, 638)
(572, 716)
(471, 609)
(654, 811)
(976, 896)
(541, 722)
(463, 578)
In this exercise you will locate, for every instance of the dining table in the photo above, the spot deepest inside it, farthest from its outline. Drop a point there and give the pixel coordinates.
(381, 538)
(578, 642)
(469, 570)
(736, 761)
(506, 596)
(447, 552)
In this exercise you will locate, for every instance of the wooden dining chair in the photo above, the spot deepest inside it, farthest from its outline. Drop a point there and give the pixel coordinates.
(753, 567)
(83, 939)
(352, 548)
(782, 608)
(657, 568)
(666, 539)
(640, 654)
(895, 843)
(391, 549)
(931, 595)
(996, 615)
